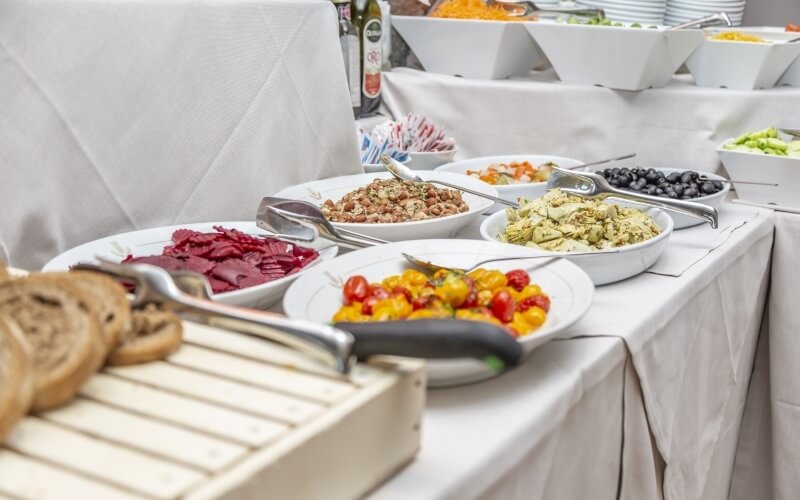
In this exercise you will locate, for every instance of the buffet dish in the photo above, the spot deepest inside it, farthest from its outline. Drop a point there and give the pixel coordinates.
(760, 156)
(743, 65)
(233, 274)
(621, 58)
(614, 242)
(441, 219)
(512, 186)
(425, 142)
(318, 295)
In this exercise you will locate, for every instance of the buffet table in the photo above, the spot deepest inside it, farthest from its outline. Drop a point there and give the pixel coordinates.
(677, 126)
(670, 359)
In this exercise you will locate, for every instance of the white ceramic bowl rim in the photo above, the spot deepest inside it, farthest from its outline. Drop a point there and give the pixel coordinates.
(654, 213)
(720, 148)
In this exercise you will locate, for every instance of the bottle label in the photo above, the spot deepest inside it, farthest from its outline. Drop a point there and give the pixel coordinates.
(350, 51)
(343, 9)
(371, 86)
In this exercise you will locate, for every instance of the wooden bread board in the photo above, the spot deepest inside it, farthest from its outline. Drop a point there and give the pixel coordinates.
(226, 416)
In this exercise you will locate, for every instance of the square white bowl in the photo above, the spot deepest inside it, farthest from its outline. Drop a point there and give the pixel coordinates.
(792, 75)
(614, 57)
(472, 48)
(781, 170)
(743, 65)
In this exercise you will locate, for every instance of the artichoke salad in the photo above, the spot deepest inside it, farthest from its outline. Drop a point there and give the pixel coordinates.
(561, 222)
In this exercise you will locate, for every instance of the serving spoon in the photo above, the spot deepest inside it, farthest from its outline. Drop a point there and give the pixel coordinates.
(702, 22)
(530, 8)
(425, 264)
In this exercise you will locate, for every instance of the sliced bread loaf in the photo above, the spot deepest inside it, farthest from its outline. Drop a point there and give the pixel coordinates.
(16, 375)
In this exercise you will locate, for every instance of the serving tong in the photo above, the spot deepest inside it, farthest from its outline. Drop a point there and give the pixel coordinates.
(337, 345)
(525, 8)
(592, 185)
(718, 19)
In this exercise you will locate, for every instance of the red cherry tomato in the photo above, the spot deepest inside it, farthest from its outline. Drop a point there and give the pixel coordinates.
(419, 303)
(503, 306)
(471, 300)
(379, 292)
(402, 291)
(356, 289)
(537, 300)
(518, 279)
(369, 303)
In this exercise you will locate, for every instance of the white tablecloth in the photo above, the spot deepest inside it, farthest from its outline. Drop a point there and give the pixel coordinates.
(126, 114)
(677, 126)
(768, 460)
(690, 344)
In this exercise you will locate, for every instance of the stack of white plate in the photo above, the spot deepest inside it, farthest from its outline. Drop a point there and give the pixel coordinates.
(633, 11)
(680, 11)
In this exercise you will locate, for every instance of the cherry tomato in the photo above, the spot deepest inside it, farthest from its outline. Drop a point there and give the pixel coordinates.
(420, 302)
(402, 291)
(518, 279)
(356, 289)
(503, 306)
(379, 292)
(471, 300)
(369, 302)
(541, 301)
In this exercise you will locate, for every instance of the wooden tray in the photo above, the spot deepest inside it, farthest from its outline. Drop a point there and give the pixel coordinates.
(226, 416)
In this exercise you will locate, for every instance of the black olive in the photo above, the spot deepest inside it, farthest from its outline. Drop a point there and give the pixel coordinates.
(717, 185)
(686, 178)
(659, 191)
(651, 176)
(651, 170)
(674, 177)
(625, 171)
(664, 185)
(678, 189)
(694, 185)
(691, 192)
(694, 174)
(707, 188)
(651, 190)
(673, 194)
(624, 179)
(634, 177)
(615, 171)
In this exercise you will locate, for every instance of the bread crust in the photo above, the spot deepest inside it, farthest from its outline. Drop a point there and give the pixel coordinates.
(16, 376)
(107, 299)
(155, 334)
(4, 276)
(63, 332)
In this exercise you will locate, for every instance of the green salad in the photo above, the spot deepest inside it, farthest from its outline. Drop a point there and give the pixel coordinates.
(764, 142)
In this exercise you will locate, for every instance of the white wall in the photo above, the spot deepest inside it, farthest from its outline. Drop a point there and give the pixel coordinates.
(771, 12)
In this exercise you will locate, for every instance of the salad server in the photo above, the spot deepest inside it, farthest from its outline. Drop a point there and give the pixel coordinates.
(592, 185)
(296, 219)
(530, 8)
(190, 294)
(720, 18)
(404, 173)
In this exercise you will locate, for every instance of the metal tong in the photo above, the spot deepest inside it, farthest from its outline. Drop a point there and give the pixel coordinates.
(720, 18)
(303, 221)
(595, 186)
(155, 285)
(530, 8)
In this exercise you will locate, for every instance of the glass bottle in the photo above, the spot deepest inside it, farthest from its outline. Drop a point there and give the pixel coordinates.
(367, 18)
(351, 53)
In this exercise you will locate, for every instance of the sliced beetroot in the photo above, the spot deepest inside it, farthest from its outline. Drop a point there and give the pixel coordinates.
(229, 258)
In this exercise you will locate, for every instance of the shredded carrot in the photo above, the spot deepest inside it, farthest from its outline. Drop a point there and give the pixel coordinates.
(472, 9)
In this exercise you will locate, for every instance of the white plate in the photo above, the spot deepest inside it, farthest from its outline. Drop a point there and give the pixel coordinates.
(152, 242)
(781, 170)
(317, 295)
(684, 221)
(484, 50)
(603, 267)
(743, 65)
(335, 188)
(618, 58)
(511, 192)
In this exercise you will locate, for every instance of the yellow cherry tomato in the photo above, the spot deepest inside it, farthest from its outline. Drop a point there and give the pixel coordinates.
(472, 315)
(350, 313)
(530, 291)
(491, 280)
(453, 292)
(477, 273)
(535, 316)
(519, 324)
(429, 313)
(485, 297)
(414, 277)
(392, 281)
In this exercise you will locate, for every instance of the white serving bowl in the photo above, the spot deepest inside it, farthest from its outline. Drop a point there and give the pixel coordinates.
(743, 65)
(604, 266)
(781, 170)
(335, 188)
(791, 76)
(472, 48)
(318, 295)
(614, 57)
(152, 241)
(511, 192)
(429, 160)
(683, 221)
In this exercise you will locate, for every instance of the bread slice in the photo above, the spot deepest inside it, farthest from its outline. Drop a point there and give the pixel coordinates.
(107, 298)
(16, 376)
(62, 330)
(155, 334)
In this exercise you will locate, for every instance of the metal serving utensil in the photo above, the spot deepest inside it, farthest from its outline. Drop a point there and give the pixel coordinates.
(155, 285)
(601, 162)
(530, 8)
(720, 18)
(595, 186)
(790, 131)
(425, 264)
(295, 217)
(404, 173)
